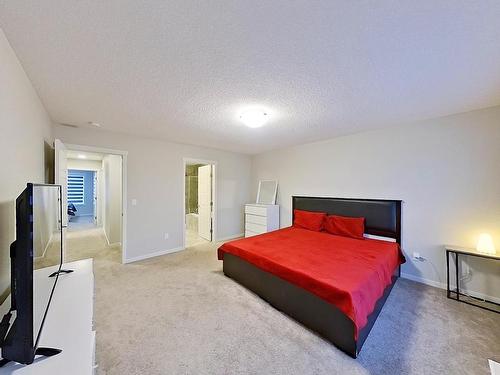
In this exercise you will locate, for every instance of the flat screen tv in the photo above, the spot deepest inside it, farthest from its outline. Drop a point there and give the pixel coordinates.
(38, 244)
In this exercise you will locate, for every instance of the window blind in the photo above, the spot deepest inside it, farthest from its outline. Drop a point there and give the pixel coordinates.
(76, 188)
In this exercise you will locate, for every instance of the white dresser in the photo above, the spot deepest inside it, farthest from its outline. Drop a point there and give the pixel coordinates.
(261, 218)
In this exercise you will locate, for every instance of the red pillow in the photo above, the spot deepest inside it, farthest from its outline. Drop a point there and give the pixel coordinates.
(345, 226)
(308, 220)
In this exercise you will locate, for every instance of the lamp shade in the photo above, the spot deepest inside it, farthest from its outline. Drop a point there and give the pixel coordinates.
(485, 244)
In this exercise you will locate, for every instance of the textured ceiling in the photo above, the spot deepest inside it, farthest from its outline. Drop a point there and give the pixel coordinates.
(183, 70)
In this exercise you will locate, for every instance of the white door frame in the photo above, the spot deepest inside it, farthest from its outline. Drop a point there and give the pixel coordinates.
(213, 163)
(123, 154)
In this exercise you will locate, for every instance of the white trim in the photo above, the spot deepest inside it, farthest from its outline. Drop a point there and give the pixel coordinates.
(155, 254)
(107, 239)
(440, 285)
(47, 245)
(123, 154)
(105, 236)
(234, 236)
(99, 150)
(213, 163)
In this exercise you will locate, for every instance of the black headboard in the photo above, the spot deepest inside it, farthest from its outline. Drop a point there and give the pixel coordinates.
(382, 217)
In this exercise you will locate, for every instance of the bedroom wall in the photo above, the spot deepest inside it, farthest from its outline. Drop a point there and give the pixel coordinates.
(155, 178)
(447, 172)
(24, 146)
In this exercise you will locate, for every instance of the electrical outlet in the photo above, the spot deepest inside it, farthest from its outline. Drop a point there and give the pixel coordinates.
(165, 236)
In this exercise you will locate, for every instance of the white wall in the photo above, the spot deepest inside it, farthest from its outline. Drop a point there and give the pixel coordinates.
(447, 172)
(24, 126)
(156, 177)
(112, 174)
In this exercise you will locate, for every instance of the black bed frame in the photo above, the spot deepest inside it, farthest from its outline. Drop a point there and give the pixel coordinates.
(382, 218)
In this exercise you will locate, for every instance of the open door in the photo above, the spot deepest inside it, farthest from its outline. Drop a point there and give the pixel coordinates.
(61, 178)
(205, 202)
(94, 198)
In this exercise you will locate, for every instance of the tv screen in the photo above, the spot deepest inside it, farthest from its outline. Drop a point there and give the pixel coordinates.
(47, 249)
(38, 245)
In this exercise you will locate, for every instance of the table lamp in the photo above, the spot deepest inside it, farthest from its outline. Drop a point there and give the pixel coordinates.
(485, 244)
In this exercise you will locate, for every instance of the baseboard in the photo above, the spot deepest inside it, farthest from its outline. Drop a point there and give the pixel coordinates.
(106, 236)
(155, 254)
(46, 246)
(441, 285)
(239, 235)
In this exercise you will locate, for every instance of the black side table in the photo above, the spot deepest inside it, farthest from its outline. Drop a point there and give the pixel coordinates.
(457, 250)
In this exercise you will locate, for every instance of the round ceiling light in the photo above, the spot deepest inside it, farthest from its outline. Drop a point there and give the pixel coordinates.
(254, 118)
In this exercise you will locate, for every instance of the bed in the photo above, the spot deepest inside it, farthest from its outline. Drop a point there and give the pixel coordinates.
(334, 285)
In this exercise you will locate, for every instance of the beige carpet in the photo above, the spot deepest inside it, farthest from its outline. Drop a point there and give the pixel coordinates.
(81, 244)
(178, 314)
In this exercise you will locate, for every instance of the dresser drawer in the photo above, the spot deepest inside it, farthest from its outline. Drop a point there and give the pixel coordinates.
(255, 219)
(256, 210)
(250, 234)
(256, 228)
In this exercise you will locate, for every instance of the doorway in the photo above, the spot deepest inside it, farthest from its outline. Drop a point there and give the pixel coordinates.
(85, 190)
(93, 183)
(82, 199)
(199, 202)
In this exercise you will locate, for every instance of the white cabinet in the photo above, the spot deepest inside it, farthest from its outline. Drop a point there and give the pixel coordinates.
(68, 325)
(261, 218)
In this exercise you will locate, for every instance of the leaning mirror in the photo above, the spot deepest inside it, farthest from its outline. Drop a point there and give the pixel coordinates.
(267, 192)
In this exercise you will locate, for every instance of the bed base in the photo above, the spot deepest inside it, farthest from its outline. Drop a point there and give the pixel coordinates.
(303, 306)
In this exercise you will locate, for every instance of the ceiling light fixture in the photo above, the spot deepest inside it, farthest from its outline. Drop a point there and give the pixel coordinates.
(254, 118)
(81, 156)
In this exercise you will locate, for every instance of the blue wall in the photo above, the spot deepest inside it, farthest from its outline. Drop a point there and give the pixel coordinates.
(88, 207)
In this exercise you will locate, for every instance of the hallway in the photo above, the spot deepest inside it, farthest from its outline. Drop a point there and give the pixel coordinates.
(81, 244)
(79, 223)
(89, 243)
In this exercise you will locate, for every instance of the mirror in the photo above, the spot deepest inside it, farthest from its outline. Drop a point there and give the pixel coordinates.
(267, 192)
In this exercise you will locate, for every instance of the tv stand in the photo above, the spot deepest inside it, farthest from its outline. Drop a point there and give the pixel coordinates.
(68, 326)
(53, 274)
(46, 352)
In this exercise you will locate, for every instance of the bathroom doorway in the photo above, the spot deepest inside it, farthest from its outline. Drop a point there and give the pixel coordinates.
(199, 205)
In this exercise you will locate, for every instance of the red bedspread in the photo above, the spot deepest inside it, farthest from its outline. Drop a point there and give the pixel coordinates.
(348, 273)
